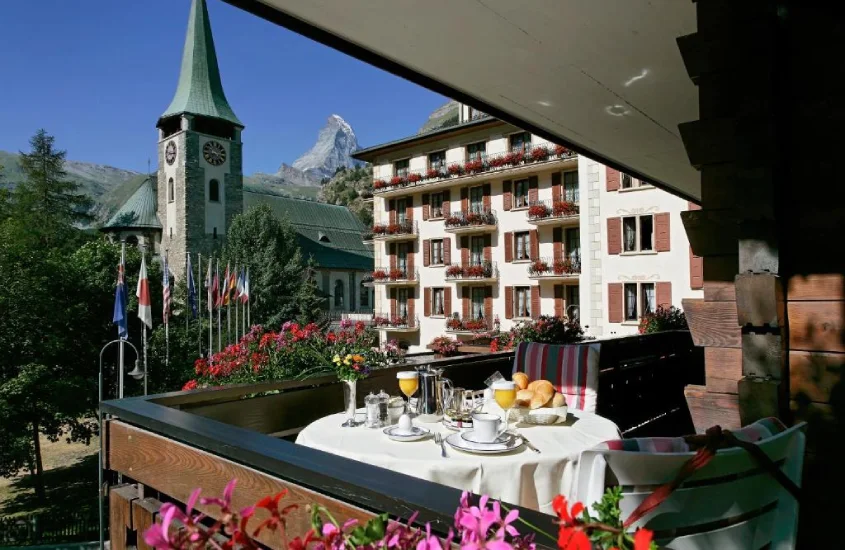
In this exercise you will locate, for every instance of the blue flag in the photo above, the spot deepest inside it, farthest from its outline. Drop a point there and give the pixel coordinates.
(192, 289)
(119, 318)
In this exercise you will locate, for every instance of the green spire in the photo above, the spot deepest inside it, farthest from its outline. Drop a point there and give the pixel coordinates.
(200, 91)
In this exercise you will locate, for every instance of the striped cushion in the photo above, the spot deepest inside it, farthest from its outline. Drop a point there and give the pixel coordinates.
(573, 370)
(647, 445)
(760, 430)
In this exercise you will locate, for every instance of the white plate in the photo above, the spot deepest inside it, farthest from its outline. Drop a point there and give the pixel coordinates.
(471, 437)
(416, 434)
(456, 441)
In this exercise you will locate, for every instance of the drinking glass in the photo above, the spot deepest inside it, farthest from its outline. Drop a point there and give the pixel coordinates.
(409, 381)
(493, 378)
(504, 392)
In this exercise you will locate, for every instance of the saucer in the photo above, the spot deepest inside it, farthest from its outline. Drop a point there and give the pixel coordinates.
(415, 434)
(457, 442)
(472, 437)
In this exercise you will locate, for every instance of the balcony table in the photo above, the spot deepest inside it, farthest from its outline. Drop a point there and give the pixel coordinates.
(521, 477)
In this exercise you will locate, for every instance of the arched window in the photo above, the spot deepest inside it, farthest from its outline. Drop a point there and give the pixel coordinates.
(338, 293)
(214, 191)
(215, 232)
(365, 296)
(171, 193)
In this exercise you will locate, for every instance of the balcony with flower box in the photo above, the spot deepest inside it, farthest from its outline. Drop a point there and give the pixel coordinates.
(476, 220)
(549, 212)
(395, 323)
(483, 272)
(366, 196)
(477, 168)
(400, 231)
(396, 276)
(468, 325)
(562, 269)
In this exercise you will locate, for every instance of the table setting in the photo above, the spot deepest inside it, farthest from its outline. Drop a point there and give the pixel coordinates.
(515, 440)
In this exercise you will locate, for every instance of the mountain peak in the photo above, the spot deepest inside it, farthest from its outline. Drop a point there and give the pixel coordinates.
(335, 144)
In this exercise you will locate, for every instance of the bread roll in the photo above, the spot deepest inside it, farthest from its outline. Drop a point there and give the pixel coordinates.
(524, 397)
(541, 397)
(536, 384)
(558, 400)
(520, 379)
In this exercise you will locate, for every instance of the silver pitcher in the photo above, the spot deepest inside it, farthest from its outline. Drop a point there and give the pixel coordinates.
(431, 394)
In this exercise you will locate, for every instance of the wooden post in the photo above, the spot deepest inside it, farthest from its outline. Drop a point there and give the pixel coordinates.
(120, 515)
(144, 514)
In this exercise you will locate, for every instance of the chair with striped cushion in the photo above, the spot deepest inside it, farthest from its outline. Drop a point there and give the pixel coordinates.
(732, 502)
(572, 369)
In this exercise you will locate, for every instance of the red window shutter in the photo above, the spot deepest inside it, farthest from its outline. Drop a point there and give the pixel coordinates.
(426, 252)
(426, 207)
(486, 192)
(508, 302)
(410, 264)
(488, 306)
(465, 302)
(612, 180)
(614, 235)
(557, 242)
(447, 301)
(488, 249)
(427, 302)
(391, 210)
(445, 203)
(535, 302)
(392, 255)
(532, 190)
(447, 251)
(696, 271)
(409, 209)
(558, 300)
(661, 232)
(393, 302)
(556, 186)
(692, 206)
(464, 250)
(411, 313)
(614, 302)
(535, 243)
(507, 195)
(464, 199)
(664, 294)
(509, 246)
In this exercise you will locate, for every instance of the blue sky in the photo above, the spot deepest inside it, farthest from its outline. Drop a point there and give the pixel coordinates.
(98, 73)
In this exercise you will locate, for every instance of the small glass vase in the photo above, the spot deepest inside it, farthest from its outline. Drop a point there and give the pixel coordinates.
(349, 402)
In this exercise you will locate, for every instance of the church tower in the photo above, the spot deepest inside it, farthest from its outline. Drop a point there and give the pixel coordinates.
(200, 178)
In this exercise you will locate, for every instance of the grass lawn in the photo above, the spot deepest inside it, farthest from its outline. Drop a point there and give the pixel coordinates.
(70, 480)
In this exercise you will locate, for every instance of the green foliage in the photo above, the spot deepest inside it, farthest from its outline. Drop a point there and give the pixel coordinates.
(345, 187)
(608, 513)
(670, 318)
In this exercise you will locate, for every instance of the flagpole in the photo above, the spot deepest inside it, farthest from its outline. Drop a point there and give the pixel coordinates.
(120, 360)
(219, 307)
(187, 292)
(248, 302)
(236, 315)
(199, 304)
(145, 357)
(228, 318)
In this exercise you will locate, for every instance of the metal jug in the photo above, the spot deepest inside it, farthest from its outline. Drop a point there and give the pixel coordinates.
(430, 401)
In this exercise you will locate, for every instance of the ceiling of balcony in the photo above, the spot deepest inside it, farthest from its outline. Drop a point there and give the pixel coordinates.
(602, 75)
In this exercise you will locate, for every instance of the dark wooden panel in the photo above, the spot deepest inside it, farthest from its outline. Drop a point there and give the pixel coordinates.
(712, 232)
(758, 399)
(711, 409)
(721, 268)
(759, 300)
(815, 376)
(825, 287)
(176, 469)
(719, 291)
(712, 324)
(816, 326)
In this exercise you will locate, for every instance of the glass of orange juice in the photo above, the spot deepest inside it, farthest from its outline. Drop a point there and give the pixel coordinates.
(409, 381)
(504, 392)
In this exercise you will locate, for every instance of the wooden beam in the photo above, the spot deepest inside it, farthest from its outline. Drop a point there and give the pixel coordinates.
(719, 291)
(144, 514)
(814, 376)
(711, 232)
(120, 515)
(823, 287)
(713, 324)
(816, 326)
(723, 368)
(176, 469)
(759, 300)
(721, 268)
(711, 409)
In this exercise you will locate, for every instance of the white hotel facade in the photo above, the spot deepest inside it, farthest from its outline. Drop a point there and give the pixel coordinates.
(481, 225)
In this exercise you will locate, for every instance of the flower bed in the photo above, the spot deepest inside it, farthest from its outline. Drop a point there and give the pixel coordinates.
(455, 170)
(539, 267)
(546, 330)
(670, 318)
(396, 180)
(379, 184)
(414, 178)
(538, 211)
(473, 166)
(432, 173)
(565, 208)
(445, 346)
(379, 275)
(454, 271)
(397, 274)
(563, 267)
(539, 153)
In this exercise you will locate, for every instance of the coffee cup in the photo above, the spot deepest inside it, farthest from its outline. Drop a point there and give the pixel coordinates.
(487, 427)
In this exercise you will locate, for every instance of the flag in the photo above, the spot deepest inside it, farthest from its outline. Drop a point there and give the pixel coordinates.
(233, 282)
(119, 317)
(192, 289)
(145, 310)
(245, 293)
(240, 289)
(165, 286)
(224, 288)
(211, 285)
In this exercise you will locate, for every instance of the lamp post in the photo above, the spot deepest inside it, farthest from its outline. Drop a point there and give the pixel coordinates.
(137, 373)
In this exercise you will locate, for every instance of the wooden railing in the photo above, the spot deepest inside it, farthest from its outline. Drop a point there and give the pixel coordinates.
(172, 443)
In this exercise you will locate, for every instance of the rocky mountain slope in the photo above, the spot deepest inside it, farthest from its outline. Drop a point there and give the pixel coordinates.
(335, 144)
(446, 115)
(348, 187)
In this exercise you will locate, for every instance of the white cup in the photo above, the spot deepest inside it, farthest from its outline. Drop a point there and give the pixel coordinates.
(487, 426)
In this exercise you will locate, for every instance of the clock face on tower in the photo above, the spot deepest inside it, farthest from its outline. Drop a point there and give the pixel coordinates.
(170, 153)
(214, 153)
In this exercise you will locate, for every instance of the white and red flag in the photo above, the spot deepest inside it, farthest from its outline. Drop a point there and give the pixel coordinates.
(145, 309)
(165, 284)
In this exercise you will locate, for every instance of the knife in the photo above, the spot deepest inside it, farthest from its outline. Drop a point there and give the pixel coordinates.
(527, 443)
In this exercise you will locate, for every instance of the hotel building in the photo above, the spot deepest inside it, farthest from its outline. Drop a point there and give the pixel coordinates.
(481, 225)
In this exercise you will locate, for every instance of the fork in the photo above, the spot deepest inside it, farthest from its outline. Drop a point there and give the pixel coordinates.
(439, 440)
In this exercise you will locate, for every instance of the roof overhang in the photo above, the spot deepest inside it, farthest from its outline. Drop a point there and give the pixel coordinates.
(602, 76)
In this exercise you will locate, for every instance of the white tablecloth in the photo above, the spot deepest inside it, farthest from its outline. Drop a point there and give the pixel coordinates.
(522, 477)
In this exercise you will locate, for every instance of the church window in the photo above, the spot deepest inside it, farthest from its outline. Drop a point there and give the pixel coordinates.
(322, 237)
(171, 194)
(365, 296)
(338, 293)
(171, 232)
(214, 191)
(215, 232)
(132, 240)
